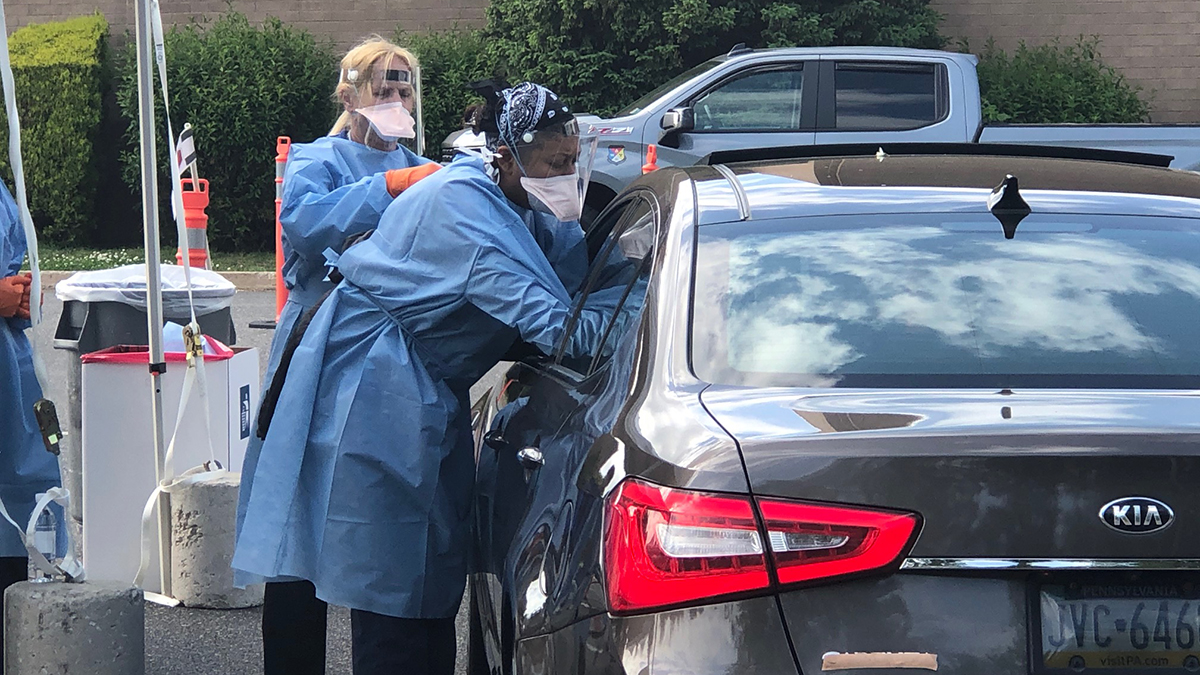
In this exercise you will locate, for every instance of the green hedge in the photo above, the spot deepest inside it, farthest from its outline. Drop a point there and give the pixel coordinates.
(60, 74)
(449, 60)
(601, 56)
(1055, 83)
(240, 86)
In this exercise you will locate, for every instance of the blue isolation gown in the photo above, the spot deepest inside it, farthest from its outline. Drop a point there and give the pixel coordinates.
(26, 468)
(366, 475)
(333, 188)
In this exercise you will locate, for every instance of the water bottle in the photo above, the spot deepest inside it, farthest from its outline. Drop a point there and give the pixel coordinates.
(45, 540)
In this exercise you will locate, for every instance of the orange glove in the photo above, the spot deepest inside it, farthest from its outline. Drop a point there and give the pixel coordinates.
(13, 290)
(399, 180)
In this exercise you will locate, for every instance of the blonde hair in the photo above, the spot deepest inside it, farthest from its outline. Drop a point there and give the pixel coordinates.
(363, 58)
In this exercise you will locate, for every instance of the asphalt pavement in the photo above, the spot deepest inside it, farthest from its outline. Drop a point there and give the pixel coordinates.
(190, 641)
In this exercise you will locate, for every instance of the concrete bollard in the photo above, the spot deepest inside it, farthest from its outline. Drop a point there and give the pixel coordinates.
(94, 627)
(203, 523)
(70, 462)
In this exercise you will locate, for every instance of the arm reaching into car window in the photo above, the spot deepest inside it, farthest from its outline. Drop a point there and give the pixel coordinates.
(606, 315)
(536, 306)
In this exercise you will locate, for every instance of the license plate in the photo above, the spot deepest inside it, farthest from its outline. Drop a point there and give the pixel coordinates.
(1126, 626)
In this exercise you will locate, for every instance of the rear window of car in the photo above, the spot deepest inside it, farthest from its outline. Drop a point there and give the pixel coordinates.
(944, 300)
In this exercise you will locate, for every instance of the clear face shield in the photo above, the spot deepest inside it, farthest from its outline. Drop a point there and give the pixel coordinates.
(556, 164)
(386, 101)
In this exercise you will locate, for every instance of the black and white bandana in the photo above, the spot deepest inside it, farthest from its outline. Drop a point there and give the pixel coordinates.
(525, 109)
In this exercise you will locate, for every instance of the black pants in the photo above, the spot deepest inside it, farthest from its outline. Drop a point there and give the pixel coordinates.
(385, 645)
(12, 570)
(293, 629)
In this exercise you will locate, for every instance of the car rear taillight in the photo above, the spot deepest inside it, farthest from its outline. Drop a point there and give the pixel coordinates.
(811, 541)
(664, 546)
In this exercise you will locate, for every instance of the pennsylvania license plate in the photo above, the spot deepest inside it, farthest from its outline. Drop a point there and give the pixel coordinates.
(1125, 626)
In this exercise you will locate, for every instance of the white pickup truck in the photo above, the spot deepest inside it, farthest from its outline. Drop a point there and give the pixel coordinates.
(765, 98)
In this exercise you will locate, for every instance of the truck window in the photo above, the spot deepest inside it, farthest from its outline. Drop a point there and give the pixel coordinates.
(649, 99)
(873, 96)
(756, 101)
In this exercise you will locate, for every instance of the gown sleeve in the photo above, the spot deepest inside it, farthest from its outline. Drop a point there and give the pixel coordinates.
(12, 247)
(514, 293)
(318, 214)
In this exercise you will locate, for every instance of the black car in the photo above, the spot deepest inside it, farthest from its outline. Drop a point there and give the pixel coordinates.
(894, 410)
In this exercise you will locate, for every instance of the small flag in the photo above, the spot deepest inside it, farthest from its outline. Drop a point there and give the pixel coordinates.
(186, 153)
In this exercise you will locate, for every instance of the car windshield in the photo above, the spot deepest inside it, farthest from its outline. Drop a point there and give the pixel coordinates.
(637, 106)
(944, 300)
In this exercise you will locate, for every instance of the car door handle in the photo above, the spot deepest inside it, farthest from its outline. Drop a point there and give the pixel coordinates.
(531, 458)
(494, 440)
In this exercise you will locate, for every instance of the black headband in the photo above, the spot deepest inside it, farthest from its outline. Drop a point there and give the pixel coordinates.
(397, 75)
(389, 75)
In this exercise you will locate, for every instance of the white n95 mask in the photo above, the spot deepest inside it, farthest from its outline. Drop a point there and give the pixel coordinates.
(557, 195)
(390, 121)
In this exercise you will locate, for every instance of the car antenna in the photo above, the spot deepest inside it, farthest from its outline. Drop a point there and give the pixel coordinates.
(1008, 206)
(739, 48)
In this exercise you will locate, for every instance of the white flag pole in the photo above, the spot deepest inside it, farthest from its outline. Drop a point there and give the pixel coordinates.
(420, 117)
(154, 312)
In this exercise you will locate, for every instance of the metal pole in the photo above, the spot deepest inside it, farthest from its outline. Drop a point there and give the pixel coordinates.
(283, 146)
(154, 319)
(420, 117)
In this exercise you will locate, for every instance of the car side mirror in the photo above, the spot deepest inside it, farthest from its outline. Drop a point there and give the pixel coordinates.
(675, 122)
(679, 119)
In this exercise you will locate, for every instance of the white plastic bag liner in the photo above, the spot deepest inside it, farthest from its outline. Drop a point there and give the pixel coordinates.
(127, 285)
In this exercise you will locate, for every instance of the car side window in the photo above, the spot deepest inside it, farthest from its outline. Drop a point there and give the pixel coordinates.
(597, 232)
(615, 289)
(885, 96)
(765, 100)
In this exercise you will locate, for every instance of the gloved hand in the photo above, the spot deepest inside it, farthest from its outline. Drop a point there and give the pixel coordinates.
(399, 180)
(23, 310)
(13, 292)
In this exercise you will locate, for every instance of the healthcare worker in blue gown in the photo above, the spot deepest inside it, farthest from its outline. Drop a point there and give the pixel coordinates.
(26, 468)
(376, 511)
(333, 188)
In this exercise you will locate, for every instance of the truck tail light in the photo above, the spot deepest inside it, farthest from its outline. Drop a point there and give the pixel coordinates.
(666, 547)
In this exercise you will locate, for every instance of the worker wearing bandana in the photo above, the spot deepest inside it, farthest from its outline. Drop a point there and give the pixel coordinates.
(376, 512)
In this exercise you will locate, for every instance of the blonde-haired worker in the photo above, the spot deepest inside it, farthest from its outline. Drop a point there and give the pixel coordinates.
(333, 188)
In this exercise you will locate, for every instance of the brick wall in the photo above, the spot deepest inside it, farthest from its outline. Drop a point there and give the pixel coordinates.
(346, 21)
(1155, 43)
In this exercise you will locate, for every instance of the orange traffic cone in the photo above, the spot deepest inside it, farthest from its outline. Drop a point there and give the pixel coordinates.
(195, 200)
(651, 159)
(283, 145)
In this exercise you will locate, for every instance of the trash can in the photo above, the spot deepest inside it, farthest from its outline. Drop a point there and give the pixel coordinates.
(105, 308)
(119, 472)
